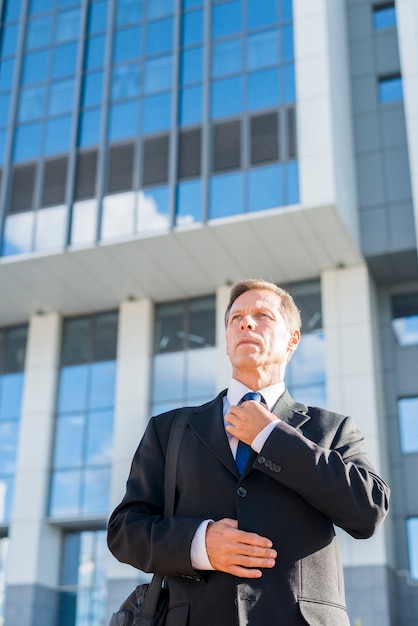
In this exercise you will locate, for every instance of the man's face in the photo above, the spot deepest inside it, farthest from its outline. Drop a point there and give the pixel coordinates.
(256, 334)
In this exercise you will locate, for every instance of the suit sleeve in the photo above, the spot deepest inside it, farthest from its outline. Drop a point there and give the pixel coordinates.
(334, 476)
(138, 532)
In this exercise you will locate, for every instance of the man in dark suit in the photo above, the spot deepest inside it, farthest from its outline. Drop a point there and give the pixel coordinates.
(256, 547)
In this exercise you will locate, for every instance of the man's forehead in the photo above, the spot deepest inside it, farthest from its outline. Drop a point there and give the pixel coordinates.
(257, 297)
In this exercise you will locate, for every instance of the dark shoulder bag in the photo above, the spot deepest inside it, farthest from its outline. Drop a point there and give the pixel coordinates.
(147, 605)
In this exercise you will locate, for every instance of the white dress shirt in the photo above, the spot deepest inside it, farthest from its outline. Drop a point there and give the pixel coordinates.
(236, 391)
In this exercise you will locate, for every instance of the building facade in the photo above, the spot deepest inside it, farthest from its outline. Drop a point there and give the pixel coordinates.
(153, 152)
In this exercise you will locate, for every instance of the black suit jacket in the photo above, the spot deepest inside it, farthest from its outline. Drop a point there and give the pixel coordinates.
(312, 473)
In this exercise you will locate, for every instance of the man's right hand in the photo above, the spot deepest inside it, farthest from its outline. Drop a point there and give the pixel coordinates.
(238, 552)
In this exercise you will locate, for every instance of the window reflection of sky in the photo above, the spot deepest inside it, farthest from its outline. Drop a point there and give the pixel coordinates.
(408, 424)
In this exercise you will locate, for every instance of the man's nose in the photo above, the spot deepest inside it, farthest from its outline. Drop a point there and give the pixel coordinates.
(247, 322)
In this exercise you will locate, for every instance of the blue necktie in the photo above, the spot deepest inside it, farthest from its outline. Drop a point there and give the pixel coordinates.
(243, 449)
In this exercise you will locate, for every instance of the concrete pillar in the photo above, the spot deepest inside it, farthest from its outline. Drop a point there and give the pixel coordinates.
(134, 358)
(34, 548)
(353, 371)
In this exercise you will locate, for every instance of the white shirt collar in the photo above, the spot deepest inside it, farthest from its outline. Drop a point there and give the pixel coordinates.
(270, 394)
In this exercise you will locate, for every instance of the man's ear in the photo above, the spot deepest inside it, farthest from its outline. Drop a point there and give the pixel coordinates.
(294, 340)
(226, 345)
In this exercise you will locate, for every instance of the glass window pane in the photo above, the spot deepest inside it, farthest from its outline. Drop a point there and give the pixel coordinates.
(97, 17)
(261, 13)
(84, 222)
(406, 330)
(127, 44)
(102, 385)
(159, 36)
(89, 129)
(6, 73)
(11, 396)
(191, 66)
(169, 327)
(190, 105)
(14, 361)
(8, 40)
(201, 373)
(384, 17)
(8, 446)
(191, 28)
(226, 195)
(265, 188)
(412, 533)
(31, 103)
(11, 10)
(189, 202)
(96, 489)
(227, 57)
(105, 337)
(201, 322)
(67, 26)
(64, 60)
(263, 49)
(2, 146)
(287, 9)
(128, 12)
(118, 215)
(18, 233)
(76, 344)
(73, 388)
(390, 89)
(92, 89)
(70, 430)
(61, 97)
(307, 365)
(123, 120)
(35, 67)
(50, 228)
(6, 494)
(288, 47)
(156, 113)
(157, 8)
(226, 19)
(99, 438)
(263, 89)
(408, 424)
(27, 144)
(227, 97)
(4, 109)
(125, 81)
(153, 210)
(65, 493)
(158, 74)
(169, 377)
(39, 32)
(289, 83)
(95, 52)
(292, 182)
(40, 6)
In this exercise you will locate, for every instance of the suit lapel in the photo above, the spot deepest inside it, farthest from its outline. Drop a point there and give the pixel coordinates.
(208, 423)
(293, 413)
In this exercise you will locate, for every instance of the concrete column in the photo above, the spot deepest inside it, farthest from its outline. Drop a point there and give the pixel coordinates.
(34, 549)
(407, 22)
(131, 416)
(353, 369)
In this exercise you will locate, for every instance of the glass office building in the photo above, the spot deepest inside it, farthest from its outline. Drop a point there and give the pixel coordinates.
(153, 152)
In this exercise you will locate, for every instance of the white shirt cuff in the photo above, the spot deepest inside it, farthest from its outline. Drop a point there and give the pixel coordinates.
(259, 441)
(198, 555)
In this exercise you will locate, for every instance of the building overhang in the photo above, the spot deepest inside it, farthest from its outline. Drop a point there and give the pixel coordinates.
(282, 245)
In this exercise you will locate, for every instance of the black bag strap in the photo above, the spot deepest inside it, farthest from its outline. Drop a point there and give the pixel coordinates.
(170, 474)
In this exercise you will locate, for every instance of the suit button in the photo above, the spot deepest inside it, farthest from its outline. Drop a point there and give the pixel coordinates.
(242, 492)
(268, 463)
(261, 460)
